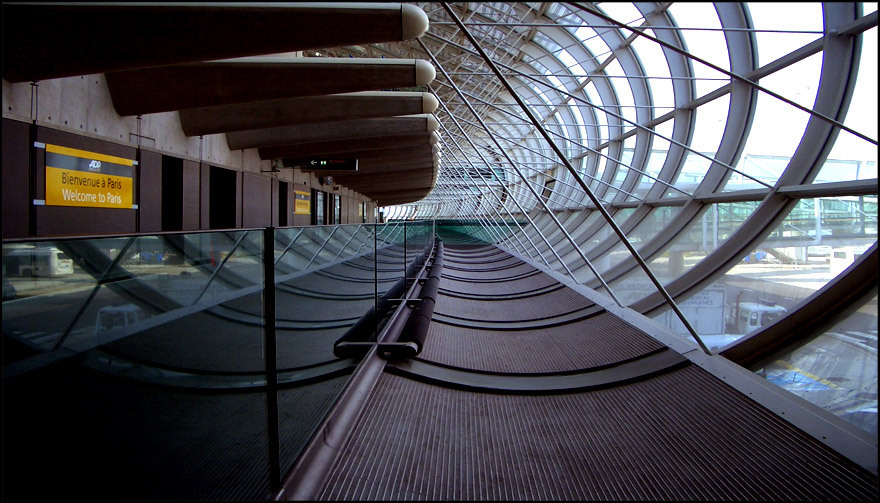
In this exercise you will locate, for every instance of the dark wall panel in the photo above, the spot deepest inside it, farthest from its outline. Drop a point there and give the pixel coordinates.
(63, 221)
(239, 203)
(172, 193)
(67, 220)
(274, 185)
(257, 201)
(301, 220)
(223, 192)
(205, 197)
(284, 203)
(351, 210)
(191, 179)
(150, 192)
(16, 179)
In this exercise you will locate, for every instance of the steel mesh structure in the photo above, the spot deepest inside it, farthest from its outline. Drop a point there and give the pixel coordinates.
(667, 112)
(658, 152)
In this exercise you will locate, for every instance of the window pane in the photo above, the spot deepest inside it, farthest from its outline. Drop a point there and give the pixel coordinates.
(818, 240)
(836, 370)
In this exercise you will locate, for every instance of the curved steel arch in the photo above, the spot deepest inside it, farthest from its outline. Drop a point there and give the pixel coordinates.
(580, 104)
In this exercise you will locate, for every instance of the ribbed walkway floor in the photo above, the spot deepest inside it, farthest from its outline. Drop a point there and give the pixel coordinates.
(504, 403)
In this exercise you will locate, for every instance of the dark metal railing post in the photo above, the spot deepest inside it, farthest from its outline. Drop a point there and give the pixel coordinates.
(271, 364)
(376, 274)
(405, 258)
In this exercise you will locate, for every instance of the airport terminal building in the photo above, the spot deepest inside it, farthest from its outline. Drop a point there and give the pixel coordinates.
(440, 251)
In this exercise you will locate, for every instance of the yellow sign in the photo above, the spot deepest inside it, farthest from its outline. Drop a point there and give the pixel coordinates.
(80, 178)
(302, 203)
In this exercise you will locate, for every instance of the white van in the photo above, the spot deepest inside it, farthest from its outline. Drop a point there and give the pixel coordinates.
(843, 257)
(752, 315)
(111, 317)
(48, 262)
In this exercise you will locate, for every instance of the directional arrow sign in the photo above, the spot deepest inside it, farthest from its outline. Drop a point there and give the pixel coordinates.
(322, 164)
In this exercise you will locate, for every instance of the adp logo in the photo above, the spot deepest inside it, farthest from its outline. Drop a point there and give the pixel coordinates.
(95, 166)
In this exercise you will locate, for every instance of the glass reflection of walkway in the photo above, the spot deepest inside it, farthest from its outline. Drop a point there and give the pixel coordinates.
(151, 353)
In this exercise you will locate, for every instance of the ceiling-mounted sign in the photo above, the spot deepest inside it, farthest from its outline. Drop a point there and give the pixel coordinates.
(322, 164)
(80, 178)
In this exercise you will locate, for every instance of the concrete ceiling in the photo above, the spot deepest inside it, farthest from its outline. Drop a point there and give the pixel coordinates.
(205, 62)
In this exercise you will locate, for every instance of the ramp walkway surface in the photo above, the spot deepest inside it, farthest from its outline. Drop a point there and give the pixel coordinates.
(526, 390)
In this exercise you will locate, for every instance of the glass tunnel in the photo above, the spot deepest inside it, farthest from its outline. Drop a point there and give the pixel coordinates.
(694, 178)
(726, 151)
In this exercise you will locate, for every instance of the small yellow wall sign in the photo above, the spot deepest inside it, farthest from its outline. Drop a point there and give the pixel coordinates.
(302, 204)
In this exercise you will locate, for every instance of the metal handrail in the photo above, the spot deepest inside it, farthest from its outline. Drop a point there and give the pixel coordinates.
(122, 235)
